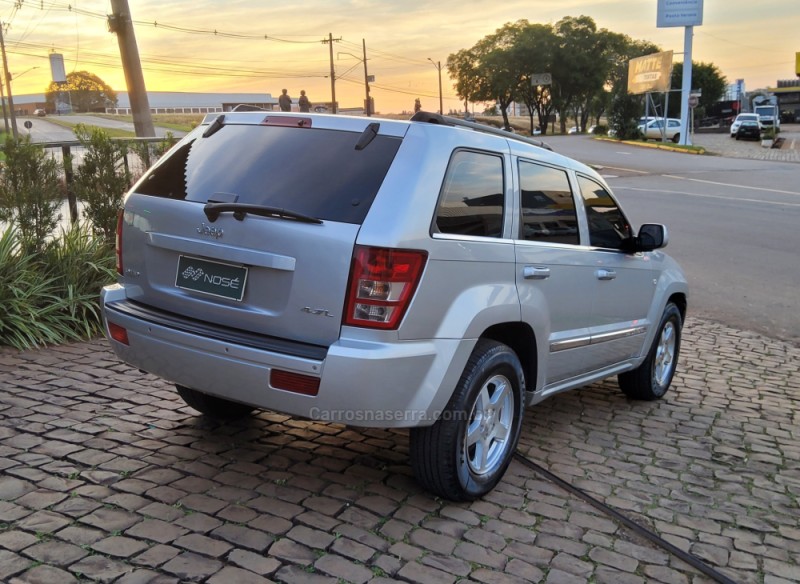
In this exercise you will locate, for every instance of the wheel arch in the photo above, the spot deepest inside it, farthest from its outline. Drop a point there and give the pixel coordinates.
(679, 300)
(522, 340)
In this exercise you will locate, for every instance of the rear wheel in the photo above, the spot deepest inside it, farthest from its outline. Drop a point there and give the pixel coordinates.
(676, 138)
(466, 452)
(212, 406)
(651, 380)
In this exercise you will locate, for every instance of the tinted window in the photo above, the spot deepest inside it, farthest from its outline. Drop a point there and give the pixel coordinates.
(313, 172)
(548, 209)
(472, 199)
(607, 225)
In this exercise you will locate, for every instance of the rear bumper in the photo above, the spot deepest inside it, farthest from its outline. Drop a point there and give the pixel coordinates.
(362, 383)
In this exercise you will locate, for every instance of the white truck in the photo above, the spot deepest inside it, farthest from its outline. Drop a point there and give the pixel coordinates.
(768, 116)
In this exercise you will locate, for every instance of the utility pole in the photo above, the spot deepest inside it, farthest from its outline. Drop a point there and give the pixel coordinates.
(438, 65)
(368, 106)
(330, 40)
(3, 104)
(120, 22)
(7, 75)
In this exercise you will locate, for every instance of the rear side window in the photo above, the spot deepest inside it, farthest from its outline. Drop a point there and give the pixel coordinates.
(548, 207)
(313, 172)
(607, 225)
(473, 195)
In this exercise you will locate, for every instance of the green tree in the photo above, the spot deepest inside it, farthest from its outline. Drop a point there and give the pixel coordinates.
(706, 77)
(535, 45)
(30, 193)
(102, 179)
(85, 91)
(580, 67)
(488, 70)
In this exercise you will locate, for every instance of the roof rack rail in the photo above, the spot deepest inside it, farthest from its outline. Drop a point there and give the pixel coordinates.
(433, 118)
(246, 107)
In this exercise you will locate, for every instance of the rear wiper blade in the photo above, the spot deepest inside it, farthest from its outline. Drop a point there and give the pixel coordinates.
(239, 210)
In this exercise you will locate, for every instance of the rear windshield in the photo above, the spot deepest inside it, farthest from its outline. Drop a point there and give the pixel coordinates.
(313, 172)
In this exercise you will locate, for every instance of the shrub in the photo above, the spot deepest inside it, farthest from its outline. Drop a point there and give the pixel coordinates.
(623, 118)
(30, 193)
(150, 152)
(102, 179)
(52, 297)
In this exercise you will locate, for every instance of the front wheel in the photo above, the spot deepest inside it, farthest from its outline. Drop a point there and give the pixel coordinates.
(466, 452)
(212, 406)
(651, 380)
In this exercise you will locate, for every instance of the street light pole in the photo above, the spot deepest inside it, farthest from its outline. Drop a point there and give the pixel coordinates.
(438, 65)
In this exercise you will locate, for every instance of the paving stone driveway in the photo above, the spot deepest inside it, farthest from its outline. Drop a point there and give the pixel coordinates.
(106, 476)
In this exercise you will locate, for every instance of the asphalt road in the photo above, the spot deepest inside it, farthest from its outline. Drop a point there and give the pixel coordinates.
(43, 130)
(732, 223)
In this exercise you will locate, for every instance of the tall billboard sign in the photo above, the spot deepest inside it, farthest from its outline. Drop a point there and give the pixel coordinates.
(679, 13)
(650, 73)
(57, 68)
(797, 64)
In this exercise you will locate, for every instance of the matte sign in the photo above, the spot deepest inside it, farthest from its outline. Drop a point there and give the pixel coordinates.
(650, 73)
(679, 13)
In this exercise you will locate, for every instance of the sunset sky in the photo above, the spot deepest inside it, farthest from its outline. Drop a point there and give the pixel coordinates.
(754, 41)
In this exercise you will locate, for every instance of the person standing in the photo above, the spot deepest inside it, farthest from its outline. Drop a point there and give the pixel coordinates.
(285, 102)
(305, 105)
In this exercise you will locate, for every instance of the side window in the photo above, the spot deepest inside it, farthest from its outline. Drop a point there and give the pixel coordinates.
(473, 196)
(607, 225)
(547, 207)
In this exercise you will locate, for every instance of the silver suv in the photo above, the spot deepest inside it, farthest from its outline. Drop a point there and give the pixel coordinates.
(433, 274)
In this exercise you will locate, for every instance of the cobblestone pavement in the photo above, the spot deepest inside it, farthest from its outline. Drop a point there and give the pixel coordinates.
(724, 145)
(106, 476)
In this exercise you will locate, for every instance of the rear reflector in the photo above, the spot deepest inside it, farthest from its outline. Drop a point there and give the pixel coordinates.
(118, 333)
(294, 382)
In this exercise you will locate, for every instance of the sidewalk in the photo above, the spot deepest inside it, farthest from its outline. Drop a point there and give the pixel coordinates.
(723, 145)
(106, 476)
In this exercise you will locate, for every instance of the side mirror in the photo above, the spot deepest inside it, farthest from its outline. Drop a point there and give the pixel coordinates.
(651, 236)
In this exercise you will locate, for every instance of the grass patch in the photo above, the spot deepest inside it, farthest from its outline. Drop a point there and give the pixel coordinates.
(179, 122)
(110, 132)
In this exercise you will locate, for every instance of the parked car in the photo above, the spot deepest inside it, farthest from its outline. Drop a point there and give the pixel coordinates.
(431, 273)
(39, 112)
(742, 118)
(656, 129)
(748, 130)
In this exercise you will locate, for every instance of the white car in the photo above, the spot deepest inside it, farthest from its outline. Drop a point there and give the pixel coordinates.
(742, 118)
(656, 130)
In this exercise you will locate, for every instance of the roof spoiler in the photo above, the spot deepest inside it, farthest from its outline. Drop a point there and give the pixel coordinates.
(434, 118)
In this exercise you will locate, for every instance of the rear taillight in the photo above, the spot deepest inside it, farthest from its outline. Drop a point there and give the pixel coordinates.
(118, 241)
(382, 284)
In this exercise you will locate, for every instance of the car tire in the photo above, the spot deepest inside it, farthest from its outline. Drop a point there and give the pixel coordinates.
(212, 406)
(676, 138)
(651, 380)
(737, 136)
(465, 453)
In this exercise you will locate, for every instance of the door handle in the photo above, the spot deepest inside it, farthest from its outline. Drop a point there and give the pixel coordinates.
(603, 274)
(535, 273)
